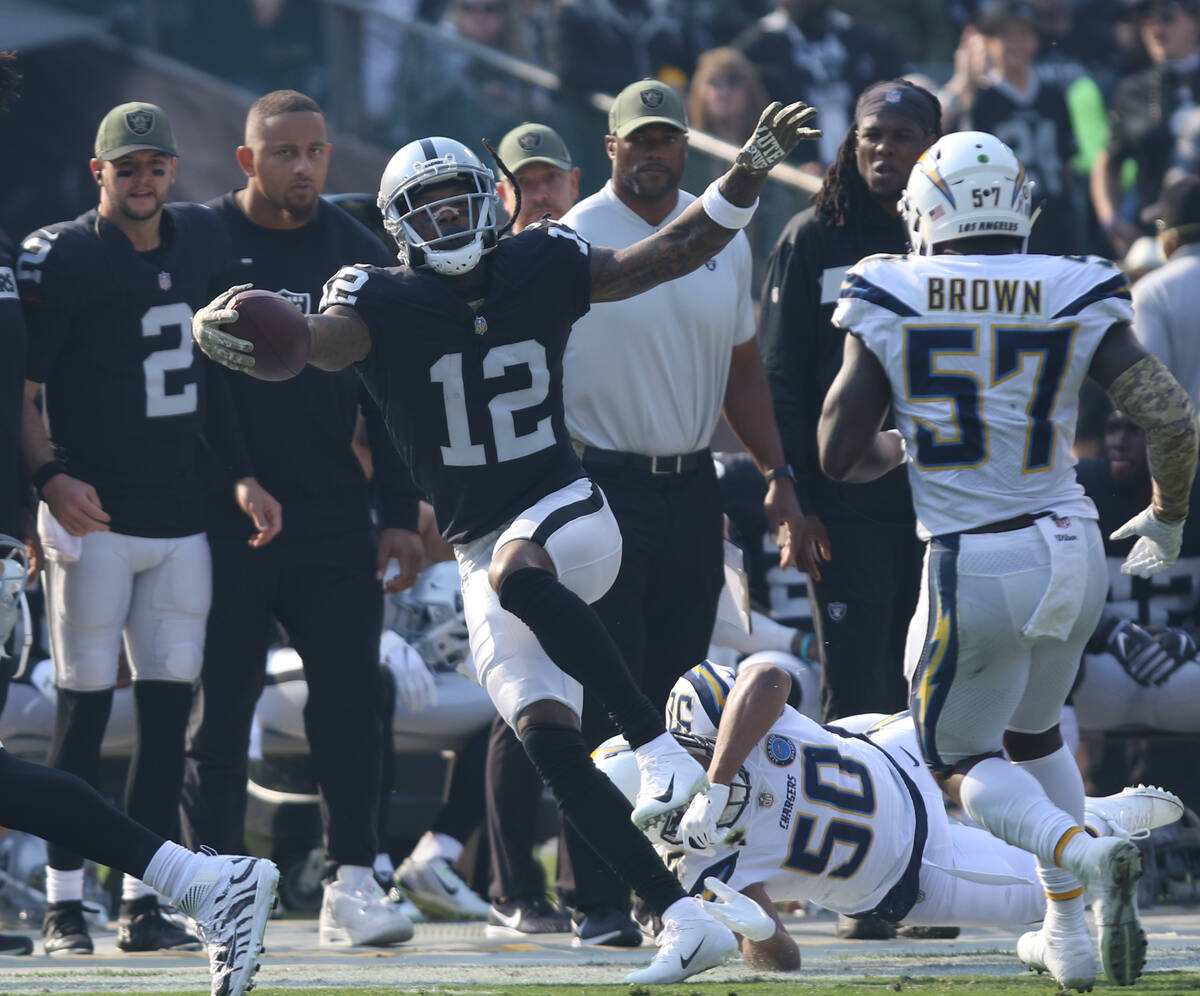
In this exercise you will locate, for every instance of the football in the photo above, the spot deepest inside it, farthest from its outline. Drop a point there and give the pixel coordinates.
(278, 330)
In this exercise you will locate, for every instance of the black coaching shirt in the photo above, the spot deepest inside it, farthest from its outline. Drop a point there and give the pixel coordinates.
(299, 431)
(473, 399)
(126, 391)
(12, 393)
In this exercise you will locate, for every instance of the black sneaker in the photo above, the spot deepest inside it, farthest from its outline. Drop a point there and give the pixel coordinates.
(522, 917)
(920, 933)
(864, 928)
(15, 944)
(650, 924)
(144, 926)
(605, 925)
(64, 930)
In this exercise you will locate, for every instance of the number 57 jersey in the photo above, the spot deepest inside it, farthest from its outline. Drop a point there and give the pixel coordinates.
(473, 397)
(985, 356)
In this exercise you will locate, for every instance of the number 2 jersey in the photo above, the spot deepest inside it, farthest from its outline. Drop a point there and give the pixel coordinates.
(110, 338)
(985, 355)
(473, 398)
(829, 819)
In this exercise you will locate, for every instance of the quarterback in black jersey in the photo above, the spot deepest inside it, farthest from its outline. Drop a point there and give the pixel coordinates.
(462, 349)
(108, 300)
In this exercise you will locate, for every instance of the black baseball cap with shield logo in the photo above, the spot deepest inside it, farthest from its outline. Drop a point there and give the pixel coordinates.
(646, 102)
(132, 127)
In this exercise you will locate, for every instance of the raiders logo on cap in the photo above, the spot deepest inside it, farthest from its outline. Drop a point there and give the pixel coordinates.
(140, 122)
(652, 97)
(529, 141)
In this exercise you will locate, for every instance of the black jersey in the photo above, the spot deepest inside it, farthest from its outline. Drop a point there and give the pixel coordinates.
(299, 431)
(110, 338)
(1037, 126)
(473, 399)
(12, 388)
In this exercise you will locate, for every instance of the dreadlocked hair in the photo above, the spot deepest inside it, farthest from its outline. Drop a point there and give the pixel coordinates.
(9, 79)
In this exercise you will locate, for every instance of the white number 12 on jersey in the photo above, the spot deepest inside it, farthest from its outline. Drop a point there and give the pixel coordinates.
(448, 371)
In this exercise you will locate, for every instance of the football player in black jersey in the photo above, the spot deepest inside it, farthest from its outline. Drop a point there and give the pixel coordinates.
(321, 578)
(462, 349)
(108, 300)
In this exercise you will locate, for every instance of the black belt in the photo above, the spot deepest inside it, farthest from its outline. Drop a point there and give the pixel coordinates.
(680, 463)
(1007, 525)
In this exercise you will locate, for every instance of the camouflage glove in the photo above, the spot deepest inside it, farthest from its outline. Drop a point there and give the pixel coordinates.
(221, 347)
(780, 129)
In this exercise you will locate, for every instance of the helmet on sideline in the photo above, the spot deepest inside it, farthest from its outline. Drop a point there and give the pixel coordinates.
(965, 185)
(429, 162)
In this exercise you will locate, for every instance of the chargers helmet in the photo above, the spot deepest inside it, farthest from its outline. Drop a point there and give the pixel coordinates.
(966, 184)
(424, 163)
(429, 617)
(16, 629)
(616, 759)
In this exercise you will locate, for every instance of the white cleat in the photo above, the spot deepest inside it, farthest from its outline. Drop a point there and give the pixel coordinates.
(1135, 811)
(230, 900)
(1069, 959)
(671, 777)
(361, 916)
(436, 886)
(691, 941)
(1111, 876)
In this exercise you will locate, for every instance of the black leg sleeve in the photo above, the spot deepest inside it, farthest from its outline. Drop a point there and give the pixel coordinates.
(66, 811)
(572, 635)
(156, 769)
(598, 810)
(78, 730)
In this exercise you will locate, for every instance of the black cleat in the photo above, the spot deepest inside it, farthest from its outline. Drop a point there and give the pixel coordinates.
(143, 926)
(15, 944)
(64, 930)
(606, 925)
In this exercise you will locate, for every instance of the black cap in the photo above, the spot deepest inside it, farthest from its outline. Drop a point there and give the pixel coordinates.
(993, 16)
(1179, 203)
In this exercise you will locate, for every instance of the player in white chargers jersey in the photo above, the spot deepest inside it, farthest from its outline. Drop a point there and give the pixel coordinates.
(845, 816)
(980, 350)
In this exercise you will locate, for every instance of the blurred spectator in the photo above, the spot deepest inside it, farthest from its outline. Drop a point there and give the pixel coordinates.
(600, 45)
(1147, 115)
(1028, 115)
(1077, 46)
(1167, 301)
(808, 50)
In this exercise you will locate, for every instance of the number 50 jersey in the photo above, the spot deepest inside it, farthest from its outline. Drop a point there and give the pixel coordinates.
(985, 355)
(473, 398)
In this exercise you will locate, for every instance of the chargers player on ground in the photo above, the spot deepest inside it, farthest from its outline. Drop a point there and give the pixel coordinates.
(462, 349)
(980, 351)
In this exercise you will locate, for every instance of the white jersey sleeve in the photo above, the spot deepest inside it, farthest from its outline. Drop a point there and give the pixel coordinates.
(698, 699)
(985, 356)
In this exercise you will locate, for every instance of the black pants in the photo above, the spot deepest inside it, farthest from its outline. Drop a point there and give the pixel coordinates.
(513, 793)
(861, 610)
(325, 595)
(660, 611)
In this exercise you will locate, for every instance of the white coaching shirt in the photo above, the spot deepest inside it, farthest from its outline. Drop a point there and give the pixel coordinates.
(985, 355)
(648, 374)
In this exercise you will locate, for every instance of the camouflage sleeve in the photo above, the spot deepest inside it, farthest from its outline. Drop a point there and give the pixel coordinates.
(1153, 398)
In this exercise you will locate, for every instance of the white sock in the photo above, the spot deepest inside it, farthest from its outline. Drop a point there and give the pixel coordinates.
(63, 886)
(1064, 901)
(133, 888)
(383, 866)
(172, 870)
(436, 845)
(358, 878)
(1011, 804)
(1059, 776)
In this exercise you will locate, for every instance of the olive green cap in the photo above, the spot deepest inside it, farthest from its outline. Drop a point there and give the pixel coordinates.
(647, 101)
(134, 126)
(534, 143)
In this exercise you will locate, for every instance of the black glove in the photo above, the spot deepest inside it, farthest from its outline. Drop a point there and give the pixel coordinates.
(1148, 656)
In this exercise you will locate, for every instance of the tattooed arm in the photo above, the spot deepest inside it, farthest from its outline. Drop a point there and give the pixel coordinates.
(694, 237)
(1142, 387)
(339, 337)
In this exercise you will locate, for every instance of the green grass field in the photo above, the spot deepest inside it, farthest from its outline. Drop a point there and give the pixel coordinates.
(1158, 983)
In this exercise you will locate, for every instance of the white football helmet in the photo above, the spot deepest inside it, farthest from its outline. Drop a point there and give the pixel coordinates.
(616, 759)
(964, 185)
(429, 617)
(16, 630)
(427, 162)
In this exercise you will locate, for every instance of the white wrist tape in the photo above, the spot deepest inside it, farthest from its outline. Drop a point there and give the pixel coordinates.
(725, 214)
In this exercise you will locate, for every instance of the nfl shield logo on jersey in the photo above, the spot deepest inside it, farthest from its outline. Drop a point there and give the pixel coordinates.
(164, 281)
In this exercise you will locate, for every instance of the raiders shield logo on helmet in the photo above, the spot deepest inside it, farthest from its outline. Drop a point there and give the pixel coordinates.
(140, 121)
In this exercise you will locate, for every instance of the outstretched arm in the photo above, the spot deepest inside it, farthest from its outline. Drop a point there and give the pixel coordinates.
(695, 236)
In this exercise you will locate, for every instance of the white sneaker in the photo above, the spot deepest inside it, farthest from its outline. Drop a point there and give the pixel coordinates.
(437, 886)
(690, 942)
(1069, 959)
(1134, 812)
(361, 916)
(1111, 875)
(230, 900)
(670, 778)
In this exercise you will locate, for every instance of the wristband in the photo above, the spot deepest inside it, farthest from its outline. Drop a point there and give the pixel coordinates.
(805, 643)
(784, 470)
(41, 476)
(724, 213)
